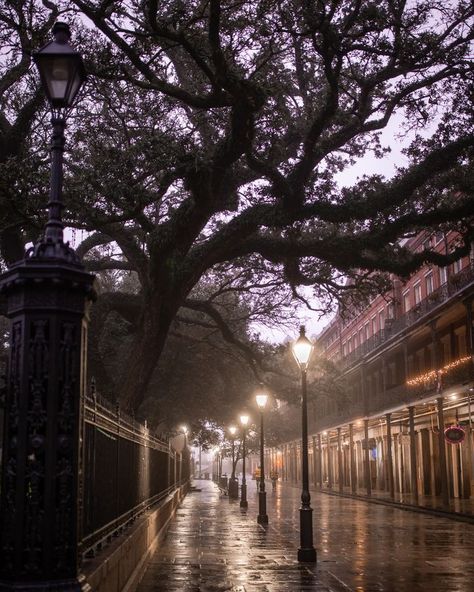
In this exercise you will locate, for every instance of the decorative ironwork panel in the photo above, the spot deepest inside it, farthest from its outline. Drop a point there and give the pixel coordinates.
(10, 448)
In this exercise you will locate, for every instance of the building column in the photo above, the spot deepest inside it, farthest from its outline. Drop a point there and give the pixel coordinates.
(329, 460)
(315, 462)
(391, 484)
(413, 459)
(368, 481)
(292, 463)
(442, 454)
(339, 461)
(288, 462)
(352, 459)
(320, 463)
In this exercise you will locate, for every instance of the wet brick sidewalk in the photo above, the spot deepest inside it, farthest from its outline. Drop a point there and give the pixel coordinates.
(214, 546)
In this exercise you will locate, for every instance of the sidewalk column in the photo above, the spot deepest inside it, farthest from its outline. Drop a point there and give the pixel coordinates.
(352, 459)
(413, 460)
(368, 482)
(320, 462)
(442, 454)
(315, 462)
(339, 461)
(391, 484)
(329, 460)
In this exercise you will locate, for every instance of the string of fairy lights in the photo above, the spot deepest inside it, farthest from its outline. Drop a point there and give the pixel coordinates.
(435, 374)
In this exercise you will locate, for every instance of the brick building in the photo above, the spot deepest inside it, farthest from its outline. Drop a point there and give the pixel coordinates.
(406, 363)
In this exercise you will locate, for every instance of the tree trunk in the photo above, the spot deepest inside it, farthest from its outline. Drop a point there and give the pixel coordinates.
(144, 354)
(141, 363)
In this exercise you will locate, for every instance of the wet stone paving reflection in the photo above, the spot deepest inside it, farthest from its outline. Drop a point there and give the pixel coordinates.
(214, 546)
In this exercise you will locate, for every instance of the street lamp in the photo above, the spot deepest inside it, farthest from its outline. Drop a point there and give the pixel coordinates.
(48, 294)
(233, 483)
(302, 349)
(262, 517)
(62, 74)
(244, 420)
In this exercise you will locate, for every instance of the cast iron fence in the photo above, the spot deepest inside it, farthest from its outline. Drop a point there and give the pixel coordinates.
(126, 469)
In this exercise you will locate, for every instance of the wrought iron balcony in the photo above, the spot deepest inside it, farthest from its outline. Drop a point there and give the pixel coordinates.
(456, 284)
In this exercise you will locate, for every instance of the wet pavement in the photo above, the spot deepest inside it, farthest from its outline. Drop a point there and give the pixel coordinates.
(214, 546)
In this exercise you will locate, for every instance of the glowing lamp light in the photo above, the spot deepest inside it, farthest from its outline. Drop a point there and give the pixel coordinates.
(261, 399)
(244, 420)
(232, 430)
(302, 349)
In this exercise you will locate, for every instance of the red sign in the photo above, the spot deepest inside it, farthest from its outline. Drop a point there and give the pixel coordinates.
(454, 434)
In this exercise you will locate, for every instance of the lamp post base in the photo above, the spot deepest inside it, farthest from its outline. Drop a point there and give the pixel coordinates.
(306, 552)
(307, 555)
(243, 498)
(262, 517)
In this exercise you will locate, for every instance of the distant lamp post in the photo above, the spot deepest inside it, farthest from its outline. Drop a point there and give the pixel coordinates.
(233, 483)
(244, 420)
(262, 517)
(184, 431)
(302, 350)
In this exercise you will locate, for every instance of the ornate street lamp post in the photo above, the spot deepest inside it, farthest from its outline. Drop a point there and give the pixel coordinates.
(233, 483)
(262, 517)
(302, 349)
(48, 295)
(244, 420)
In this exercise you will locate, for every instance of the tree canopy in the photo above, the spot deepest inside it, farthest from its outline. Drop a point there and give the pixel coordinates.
(206, 148)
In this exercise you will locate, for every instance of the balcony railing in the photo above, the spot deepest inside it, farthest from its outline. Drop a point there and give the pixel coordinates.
(393, 326)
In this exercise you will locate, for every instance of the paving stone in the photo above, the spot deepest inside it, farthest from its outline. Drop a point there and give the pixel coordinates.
(214, 546)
